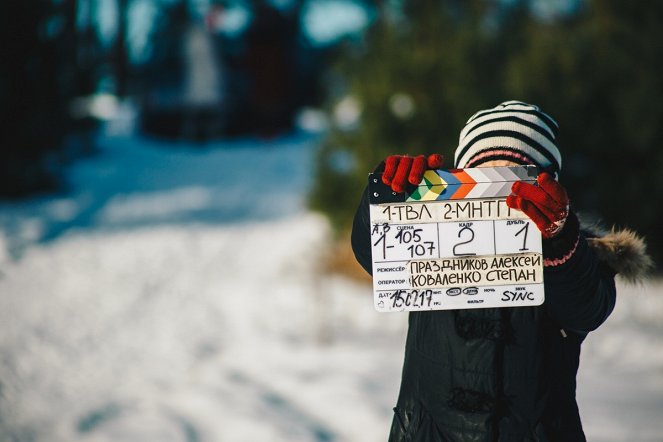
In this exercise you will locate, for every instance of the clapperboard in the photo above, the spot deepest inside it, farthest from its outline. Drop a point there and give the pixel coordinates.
(452, 242)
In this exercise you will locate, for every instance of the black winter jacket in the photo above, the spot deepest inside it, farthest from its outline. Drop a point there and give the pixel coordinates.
(500, 374)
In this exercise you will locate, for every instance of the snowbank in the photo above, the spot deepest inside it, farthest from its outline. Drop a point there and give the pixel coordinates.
(193, 333)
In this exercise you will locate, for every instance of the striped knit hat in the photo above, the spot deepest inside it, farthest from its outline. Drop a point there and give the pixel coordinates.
(514, 131)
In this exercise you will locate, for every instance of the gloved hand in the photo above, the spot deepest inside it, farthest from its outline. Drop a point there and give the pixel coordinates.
(402, 169)
(546, 204)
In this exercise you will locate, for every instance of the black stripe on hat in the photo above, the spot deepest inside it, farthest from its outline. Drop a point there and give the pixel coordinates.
(552, 124)
(512, 102)
(511, 134)
(514, 119)
(502, 106)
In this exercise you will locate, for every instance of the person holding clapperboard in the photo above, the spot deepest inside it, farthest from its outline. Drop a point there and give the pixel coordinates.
(507, 374)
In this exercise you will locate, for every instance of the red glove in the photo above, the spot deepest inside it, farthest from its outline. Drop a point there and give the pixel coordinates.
(546, 204)
(402, 169)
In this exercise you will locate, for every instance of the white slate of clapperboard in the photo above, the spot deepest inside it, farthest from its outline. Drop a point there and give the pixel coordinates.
(426, 261)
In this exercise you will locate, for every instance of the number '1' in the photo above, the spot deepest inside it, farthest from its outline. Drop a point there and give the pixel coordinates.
(524, 232)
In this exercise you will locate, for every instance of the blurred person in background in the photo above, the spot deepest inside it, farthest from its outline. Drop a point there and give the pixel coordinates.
(507, 374)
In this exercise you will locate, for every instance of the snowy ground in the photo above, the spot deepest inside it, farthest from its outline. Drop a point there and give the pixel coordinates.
(174, 294)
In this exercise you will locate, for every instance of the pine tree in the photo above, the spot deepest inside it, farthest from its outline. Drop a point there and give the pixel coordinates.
(417, 76)
(36, 86)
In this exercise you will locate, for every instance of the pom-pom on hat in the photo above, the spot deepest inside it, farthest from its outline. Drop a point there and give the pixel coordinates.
(514, 131)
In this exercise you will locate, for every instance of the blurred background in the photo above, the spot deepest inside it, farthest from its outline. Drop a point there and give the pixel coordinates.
(178, 177)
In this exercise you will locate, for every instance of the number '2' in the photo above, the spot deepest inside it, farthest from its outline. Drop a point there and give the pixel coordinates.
(460, 233)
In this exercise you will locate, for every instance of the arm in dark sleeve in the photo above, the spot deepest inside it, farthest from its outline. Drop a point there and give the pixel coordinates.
(580, 290)
(361, 234)
(361, 229)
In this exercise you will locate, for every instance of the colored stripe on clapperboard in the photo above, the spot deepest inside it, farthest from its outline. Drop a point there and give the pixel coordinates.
(454, 184)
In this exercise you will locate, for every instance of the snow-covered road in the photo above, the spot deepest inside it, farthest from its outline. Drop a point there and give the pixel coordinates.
(175, 294)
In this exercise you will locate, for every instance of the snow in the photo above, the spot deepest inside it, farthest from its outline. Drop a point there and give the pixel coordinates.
(175, 293)
(621, 372)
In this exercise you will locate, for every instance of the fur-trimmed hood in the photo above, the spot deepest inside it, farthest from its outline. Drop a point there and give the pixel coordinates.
(622, 250)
